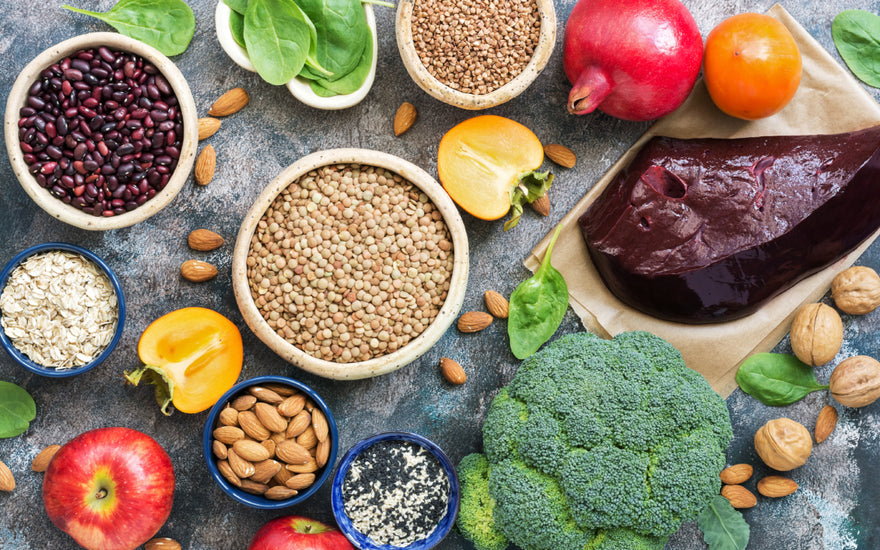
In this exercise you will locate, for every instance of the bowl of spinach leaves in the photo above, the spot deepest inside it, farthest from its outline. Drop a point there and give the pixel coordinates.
(324, 51)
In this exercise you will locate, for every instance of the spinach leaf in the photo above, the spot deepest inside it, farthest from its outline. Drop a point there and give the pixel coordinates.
(723, 526)
(279, 39)
(537, 307)
(236, 25)
(17, 409)
(350, 82)
(856, 34)
(341, 33)
(238, 6)
(167, 25)
(777, 379)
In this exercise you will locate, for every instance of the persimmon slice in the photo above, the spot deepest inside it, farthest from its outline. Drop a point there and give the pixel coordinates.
(483, 160)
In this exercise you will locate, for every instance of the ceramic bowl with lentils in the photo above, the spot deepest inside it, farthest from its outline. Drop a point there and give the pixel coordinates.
(351, 263)
(101, 131)
(475, 54)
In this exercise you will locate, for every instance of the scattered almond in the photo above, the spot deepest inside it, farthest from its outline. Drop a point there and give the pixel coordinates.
(825, 423)
(739, 496)
(404, 118)
(206, 163)
(280, 492)
(541, 205)
(252, 426)
(197, 271)
(319, 424)
(452, 371)
(43, 458)
(561, 155)
(162, 543)
(269, 417)
(229, 103)
(496, 304)
(208, 126)
(736, 474)
(204, 240)
(251, 451)
(300, 481)
(228, 434)
(474, 321)
(777, 486)
(7, 480)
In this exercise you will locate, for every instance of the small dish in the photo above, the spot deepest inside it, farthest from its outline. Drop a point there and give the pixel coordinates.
(298, 87)
(18, 96)
(257, 501)
(417, 345)
(360, 540)
(434, 87)
(51, 372)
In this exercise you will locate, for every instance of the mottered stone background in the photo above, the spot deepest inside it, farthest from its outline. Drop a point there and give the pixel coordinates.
(836, 508)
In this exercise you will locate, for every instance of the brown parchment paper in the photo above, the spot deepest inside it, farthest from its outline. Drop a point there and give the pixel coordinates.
(829, 100)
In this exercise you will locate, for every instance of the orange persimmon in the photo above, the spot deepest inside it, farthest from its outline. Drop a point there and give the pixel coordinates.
(487, 165)
(192, 355)
(751, 65)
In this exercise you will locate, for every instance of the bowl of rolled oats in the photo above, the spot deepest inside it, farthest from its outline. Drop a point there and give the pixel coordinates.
(475, 54)
(61, 309)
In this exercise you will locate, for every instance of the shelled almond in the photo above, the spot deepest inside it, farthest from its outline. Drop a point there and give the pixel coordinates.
(271, 441)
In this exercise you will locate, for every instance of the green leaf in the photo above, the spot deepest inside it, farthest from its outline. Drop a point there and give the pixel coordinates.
(856, 34)
(341, 33)
(777, 379)
(238, 6)
(351, 82)
(723, 526)
(537, 307)
(17, 409)
(236, 25)
(167, 25)
(531, 187)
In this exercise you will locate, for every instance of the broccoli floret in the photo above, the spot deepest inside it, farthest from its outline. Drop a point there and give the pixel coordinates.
(475, 506)
(603, 444)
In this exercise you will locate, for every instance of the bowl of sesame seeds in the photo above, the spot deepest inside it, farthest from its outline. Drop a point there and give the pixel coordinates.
(475, 54)
(62, 309)
(351, 263)
(395, 490)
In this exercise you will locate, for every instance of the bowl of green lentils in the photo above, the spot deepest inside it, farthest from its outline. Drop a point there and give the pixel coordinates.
(351, 263)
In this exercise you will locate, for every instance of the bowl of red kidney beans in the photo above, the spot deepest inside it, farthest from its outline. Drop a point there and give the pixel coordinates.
(101, 131)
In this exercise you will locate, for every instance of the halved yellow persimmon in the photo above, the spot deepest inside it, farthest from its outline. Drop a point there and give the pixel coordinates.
(192, 355)
(487, 165)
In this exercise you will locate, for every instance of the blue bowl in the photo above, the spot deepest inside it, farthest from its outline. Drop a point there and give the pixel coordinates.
(363, 542)
(23, 359)
(257, 501)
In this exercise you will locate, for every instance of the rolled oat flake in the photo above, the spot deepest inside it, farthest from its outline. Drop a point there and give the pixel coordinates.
(395, 492)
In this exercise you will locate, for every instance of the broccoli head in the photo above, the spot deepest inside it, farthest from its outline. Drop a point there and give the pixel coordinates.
(599, 445)
(476, 506)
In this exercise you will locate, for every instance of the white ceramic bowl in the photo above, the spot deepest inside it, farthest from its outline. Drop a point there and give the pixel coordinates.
(415, 347)
(298, 87)
(48, 202)
(426, 81)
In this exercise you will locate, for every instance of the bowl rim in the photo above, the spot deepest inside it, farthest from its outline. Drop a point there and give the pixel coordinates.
(437, 89)
(41, 196)
(298, 87)
(52, 372)
(416, 347)
(256, 501)
(360, 540)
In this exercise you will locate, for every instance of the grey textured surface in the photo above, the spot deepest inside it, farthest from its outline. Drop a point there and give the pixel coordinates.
(836, 508)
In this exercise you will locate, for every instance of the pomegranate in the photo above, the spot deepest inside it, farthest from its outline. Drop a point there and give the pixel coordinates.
(631, 59)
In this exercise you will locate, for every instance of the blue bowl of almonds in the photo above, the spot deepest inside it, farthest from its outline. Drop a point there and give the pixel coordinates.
(61, 309)
(393, 491)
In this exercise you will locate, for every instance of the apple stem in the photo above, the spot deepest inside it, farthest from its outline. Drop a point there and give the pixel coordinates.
(101, 494)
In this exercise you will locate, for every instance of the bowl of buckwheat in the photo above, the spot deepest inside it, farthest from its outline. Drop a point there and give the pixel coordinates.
(61, 309)
(351, 263)
(475, 54)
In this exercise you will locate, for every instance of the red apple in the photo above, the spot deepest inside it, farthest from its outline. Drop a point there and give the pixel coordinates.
(298, 533)
(109, 489)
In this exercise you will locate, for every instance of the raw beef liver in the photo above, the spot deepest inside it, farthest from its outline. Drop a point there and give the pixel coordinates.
(706, 230)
